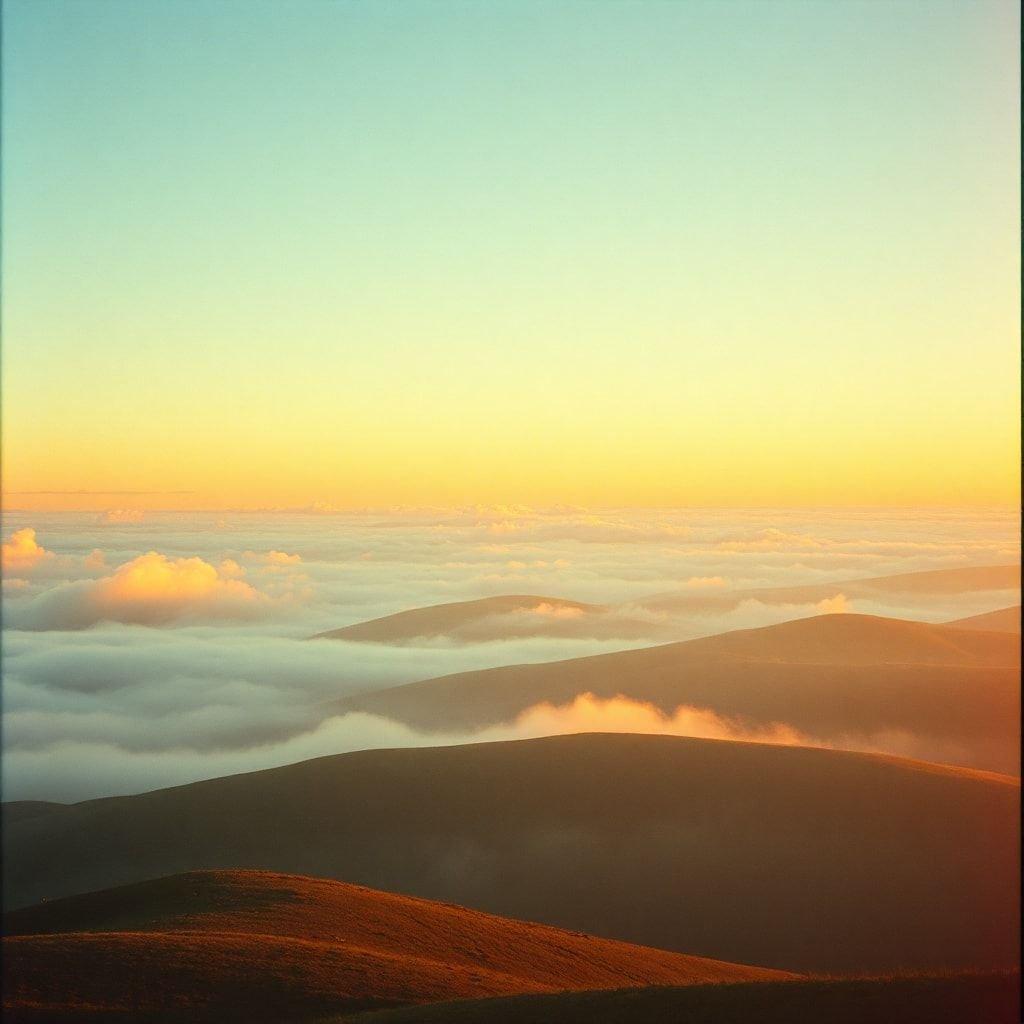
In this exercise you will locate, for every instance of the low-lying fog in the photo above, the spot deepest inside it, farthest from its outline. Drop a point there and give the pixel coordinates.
(150, 649)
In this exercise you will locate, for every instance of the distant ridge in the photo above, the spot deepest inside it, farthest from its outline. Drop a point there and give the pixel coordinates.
(475, 620)
(1004, 620)
(505, 617)
(520, 615)
(932, 581)
(832, 677)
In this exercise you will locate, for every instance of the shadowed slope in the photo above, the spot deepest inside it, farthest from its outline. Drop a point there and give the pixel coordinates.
(254, 945)
(19, 810)
(790, 857)
(956, 999)
(844, 680)
(1004, 620)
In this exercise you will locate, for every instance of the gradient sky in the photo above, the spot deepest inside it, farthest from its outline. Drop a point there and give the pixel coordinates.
(269, 254)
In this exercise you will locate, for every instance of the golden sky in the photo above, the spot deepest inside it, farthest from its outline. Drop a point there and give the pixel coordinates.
(640, 254)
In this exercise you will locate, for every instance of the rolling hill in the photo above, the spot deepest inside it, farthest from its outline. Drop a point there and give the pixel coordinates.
(19, 810)
(844, 680)
(496, 618)
(254, 945)
(1003, 620)
(789, 857)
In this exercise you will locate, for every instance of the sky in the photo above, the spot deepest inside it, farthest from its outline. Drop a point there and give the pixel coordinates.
(150, 649)
(309, 254)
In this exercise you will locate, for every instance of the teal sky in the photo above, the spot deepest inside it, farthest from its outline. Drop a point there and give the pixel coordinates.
(357, 252)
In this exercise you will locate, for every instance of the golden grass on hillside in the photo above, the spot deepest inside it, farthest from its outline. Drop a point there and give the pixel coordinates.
(258, 945)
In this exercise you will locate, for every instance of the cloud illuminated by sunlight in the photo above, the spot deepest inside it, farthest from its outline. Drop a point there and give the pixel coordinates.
(22, 551)
(272, 557)
(556, 611)
(588, 713)
(153, 588)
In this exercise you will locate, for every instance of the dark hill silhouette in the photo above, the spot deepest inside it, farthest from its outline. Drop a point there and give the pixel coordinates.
(789, 857)
(951, 999)
(19, 810)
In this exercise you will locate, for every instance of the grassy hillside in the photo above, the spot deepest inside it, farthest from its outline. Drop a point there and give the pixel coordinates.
(255, 945)
(796, 858)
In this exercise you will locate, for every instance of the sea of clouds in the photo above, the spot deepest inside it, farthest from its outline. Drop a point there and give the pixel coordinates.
(150, 649)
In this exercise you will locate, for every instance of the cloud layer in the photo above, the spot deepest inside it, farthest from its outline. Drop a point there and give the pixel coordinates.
(142, 654)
